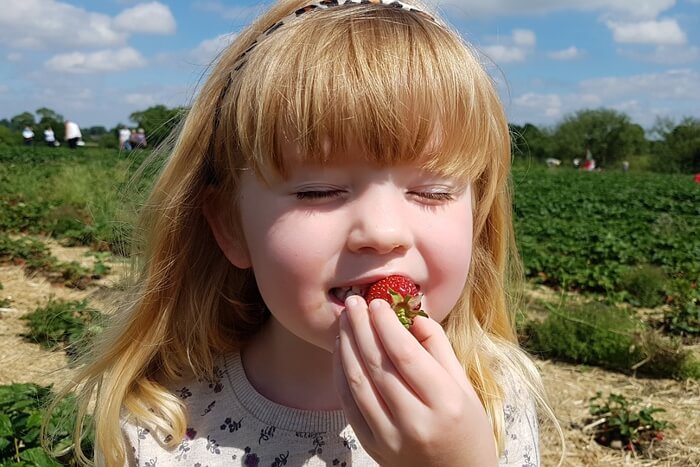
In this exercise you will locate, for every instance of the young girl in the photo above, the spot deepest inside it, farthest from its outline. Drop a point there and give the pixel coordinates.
(345, 141)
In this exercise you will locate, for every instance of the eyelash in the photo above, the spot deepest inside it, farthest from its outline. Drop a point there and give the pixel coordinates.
(435, 195)
(318, 195)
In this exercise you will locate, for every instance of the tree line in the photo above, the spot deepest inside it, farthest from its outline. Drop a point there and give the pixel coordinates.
(611, 137)
(157, 121)
(608, 135)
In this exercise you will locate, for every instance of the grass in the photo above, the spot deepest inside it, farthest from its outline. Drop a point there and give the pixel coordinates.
(610, 337)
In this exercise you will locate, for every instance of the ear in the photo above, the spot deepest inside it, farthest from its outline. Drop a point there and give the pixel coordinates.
(233, 247)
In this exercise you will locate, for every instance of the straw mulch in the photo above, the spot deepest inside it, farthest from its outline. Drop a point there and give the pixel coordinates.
(570, 387)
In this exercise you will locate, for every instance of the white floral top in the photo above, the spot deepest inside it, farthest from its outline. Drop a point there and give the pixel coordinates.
(230, 423)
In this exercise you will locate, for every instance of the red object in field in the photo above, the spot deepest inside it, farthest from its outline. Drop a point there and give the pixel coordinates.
(697, 178)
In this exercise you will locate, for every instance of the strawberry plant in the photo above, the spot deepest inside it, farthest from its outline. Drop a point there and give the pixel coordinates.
(67, 324)
(621, 422)
(35, 257)
(21, 416)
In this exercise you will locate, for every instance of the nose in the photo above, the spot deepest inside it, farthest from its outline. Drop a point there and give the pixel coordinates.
(381, 222)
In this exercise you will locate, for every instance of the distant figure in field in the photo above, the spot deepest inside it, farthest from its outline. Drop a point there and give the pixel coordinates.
(28, 135)
(697, 178)
(50, 137)
(589, 162)
(625, 166)
(139, 139)
(124, 135)
(73, 134)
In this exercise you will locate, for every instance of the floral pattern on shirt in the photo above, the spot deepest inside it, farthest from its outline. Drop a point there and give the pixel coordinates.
(225, 430)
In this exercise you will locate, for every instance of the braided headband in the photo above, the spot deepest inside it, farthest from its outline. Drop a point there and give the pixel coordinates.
(323, 4)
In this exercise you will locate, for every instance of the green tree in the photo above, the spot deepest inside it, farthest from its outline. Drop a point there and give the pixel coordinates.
(50, 118)
(532, 141)
(157, 121)
(608, 134)
(18, 122)
(684, 145)
(8, 137)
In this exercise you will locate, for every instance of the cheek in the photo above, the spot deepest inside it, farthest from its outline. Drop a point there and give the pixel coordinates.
(289, 256)
(449, 264)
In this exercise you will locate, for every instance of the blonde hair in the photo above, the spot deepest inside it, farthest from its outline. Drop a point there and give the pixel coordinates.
(403, 86)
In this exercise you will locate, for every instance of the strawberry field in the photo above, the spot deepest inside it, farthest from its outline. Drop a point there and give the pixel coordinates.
(585, 231)
(611, 306)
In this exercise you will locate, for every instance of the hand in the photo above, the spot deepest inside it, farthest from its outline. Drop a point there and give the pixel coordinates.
(405, 393)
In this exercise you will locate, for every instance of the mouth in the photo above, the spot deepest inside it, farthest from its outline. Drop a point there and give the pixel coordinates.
(340, 294)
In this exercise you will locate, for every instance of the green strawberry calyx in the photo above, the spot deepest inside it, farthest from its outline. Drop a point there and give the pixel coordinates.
(406, 307)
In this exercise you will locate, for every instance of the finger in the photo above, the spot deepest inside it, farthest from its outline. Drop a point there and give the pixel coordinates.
(352, 412)
(365, 397)
(431, 335)
(426, 376)
(379, 368)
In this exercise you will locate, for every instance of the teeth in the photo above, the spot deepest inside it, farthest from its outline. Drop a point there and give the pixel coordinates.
(342, 293)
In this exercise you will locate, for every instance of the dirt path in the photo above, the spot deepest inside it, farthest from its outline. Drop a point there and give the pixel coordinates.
(570, 386)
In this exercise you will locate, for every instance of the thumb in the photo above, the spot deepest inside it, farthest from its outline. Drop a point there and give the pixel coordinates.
(432, 337)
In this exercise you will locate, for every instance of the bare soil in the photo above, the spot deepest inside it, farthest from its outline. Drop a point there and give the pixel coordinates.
(569, 386)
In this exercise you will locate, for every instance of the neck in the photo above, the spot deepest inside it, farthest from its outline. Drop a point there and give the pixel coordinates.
(289, 371)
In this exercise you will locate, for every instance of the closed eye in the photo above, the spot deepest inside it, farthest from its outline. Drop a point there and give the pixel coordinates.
(314, 195)
(435, 195)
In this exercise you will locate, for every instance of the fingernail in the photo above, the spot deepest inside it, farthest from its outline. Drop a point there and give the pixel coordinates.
(352, 301)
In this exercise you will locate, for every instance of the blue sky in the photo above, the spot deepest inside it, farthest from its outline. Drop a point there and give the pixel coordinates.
(98, 61)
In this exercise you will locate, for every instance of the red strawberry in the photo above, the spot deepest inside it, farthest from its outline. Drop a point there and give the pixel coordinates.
(401, 293)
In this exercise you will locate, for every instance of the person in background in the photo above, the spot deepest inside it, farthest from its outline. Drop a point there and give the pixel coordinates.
(139, 139)
(50, 137)
(28, 135)
(124, 135)
(72, 134)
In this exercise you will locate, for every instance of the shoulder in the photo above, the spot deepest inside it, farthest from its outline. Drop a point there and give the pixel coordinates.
(203, 399)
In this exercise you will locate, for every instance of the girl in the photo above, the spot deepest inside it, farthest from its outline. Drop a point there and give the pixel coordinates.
(345, 141)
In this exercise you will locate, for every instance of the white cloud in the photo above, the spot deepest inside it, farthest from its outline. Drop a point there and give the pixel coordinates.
(504, 54)
(511, 49)
(141, 100)
(36, 24)
(570, 53)
(51, 24)
(630, 8)
(524, 38)
(208, 49)
(665, 55)
(14, 57)
(664, 31)
(669, 85)
(146, 18)
(550, 104)
(96, 62)
(674, 93)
